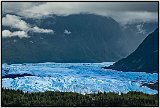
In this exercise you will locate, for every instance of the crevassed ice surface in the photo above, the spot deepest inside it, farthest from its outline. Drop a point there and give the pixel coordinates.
(75, 77)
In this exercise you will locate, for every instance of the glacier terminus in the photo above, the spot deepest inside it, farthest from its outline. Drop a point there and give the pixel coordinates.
(84, 78)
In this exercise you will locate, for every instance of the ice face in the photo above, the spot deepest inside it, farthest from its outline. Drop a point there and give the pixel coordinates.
(75, 77)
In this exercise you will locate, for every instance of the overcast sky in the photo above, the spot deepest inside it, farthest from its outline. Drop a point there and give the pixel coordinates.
(123, 12)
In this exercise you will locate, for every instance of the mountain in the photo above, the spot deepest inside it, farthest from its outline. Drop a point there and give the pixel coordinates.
(91, 38)
(76, 38)
(135, 33)
(143, 59)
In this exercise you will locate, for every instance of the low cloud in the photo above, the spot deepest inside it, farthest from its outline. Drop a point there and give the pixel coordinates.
(20, 34)
(40, 30)
(140, 29)
(67, 32)
(134, 17)
(16, 22)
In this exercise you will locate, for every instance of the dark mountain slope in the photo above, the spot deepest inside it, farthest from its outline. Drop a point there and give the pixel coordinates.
(144, 58)
(135, 34)
(93, 38)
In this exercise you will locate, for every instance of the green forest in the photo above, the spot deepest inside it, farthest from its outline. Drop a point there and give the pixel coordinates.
(55, 98)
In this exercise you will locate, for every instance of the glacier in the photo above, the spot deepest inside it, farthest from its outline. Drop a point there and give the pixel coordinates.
(82, 78)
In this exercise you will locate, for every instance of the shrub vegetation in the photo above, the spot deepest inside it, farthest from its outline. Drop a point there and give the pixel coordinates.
(53, 98)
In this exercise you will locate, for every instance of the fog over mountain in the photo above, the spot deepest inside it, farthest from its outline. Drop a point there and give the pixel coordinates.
(122, 12)
(143, 59)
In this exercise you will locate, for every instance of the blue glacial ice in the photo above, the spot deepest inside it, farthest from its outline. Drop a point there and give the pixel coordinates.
(75, 77)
